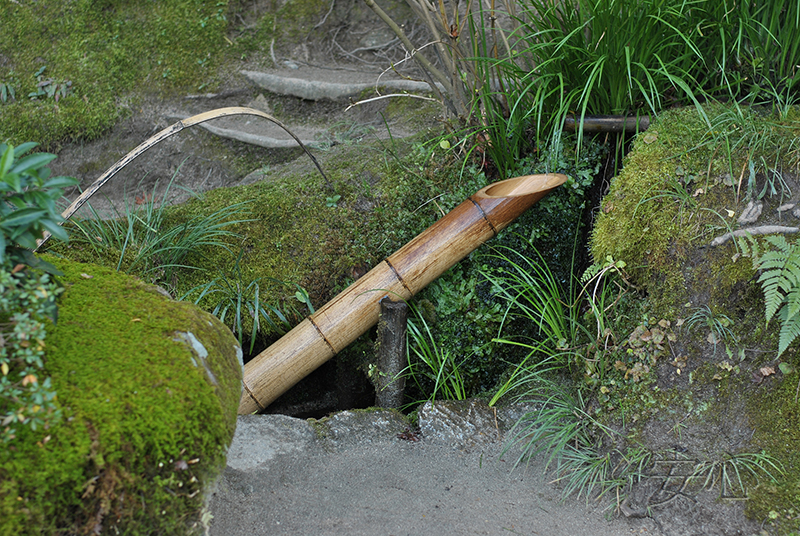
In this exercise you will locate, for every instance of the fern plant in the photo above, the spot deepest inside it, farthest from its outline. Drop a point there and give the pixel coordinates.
(779, 264)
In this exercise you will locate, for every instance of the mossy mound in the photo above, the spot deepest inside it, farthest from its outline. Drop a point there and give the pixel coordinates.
(719, 388)
(149, 390)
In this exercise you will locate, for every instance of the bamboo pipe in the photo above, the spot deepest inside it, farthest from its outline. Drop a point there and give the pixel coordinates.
(608, 123)
(407, 271)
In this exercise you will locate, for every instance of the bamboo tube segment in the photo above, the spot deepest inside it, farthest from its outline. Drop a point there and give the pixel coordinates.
(407, 271)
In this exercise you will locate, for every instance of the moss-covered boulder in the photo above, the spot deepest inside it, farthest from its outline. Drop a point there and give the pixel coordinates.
(718, 392)
(149, 389)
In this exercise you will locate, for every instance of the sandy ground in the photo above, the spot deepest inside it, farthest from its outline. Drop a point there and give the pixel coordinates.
(283, 479)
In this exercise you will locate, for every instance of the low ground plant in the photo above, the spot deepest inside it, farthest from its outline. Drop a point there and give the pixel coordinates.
(568, 321)
(433, 368)
(779, 263)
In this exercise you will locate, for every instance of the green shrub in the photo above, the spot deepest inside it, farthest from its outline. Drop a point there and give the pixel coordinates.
(26, 300)
(27, 295)
(28, 201)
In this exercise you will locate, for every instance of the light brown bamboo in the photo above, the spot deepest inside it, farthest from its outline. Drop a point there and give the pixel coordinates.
(339, 322)
(158, 138)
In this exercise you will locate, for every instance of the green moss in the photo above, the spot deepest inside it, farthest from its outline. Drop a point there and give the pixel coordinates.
(775, 416)
(106, 50)
(674, 194)
(143, 430)
(683, 185)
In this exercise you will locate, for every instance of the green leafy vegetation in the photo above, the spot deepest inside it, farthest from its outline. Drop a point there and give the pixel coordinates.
(27, 395)
(233, 297)
(513, 87)
(28, 197)
(431, 363)
(780, 280)
(146, 242)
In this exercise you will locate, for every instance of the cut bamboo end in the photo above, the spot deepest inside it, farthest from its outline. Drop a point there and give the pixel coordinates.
(522, 186)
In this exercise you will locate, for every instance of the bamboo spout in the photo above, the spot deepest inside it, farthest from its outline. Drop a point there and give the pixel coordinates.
(407, 271)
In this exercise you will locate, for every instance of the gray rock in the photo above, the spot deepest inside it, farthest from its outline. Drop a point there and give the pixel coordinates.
(461, 425)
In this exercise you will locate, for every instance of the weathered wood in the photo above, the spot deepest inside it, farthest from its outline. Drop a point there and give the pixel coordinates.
(391, 353)
(406, 272)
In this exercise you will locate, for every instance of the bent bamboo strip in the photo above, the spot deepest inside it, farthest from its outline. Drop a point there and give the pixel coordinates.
(161, 136)
(407, 271)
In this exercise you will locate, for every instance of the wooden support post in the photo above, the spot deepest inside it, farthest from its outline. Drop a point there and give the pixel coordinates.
(391, 353)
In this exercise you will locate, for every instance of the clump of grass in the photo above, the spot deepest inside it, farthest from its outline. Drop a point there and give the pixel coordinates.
(148, 243)
(239, 301)
(434, 368)
(727, 472)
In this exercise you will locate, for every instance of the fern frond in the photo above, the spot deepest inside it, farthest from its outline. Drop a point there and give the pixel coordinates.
(780, 273)
(792, 304)
(790, 329)
(779, 241)
(749, 247)
(772, 284)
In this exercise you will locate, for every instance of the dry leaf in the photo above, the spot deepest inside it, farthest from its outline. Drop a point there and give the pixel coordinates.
(637, 372)
(680, 361)
(767, 371)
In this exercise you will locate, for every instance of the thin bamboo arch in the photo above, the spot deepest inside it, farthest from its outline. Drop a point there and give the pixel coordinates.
(161, 136)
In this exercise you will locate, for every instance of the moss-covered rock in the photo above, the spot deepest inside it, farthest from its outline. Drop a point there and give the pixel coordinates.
(149, 390)
(720, 390)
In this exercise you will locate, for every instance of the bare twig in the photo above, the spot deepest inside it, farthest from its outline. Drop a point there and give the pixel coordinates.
(379, 97)
(429, 70)
(325, 18)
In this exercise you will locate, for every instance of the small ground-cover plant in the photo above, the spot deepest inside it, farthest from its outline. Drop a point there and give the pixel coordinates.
(435, 369)
(557, 313)
(587, 457)
(27, 301)
(49, 88)
(7, 92)
(27, 294)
